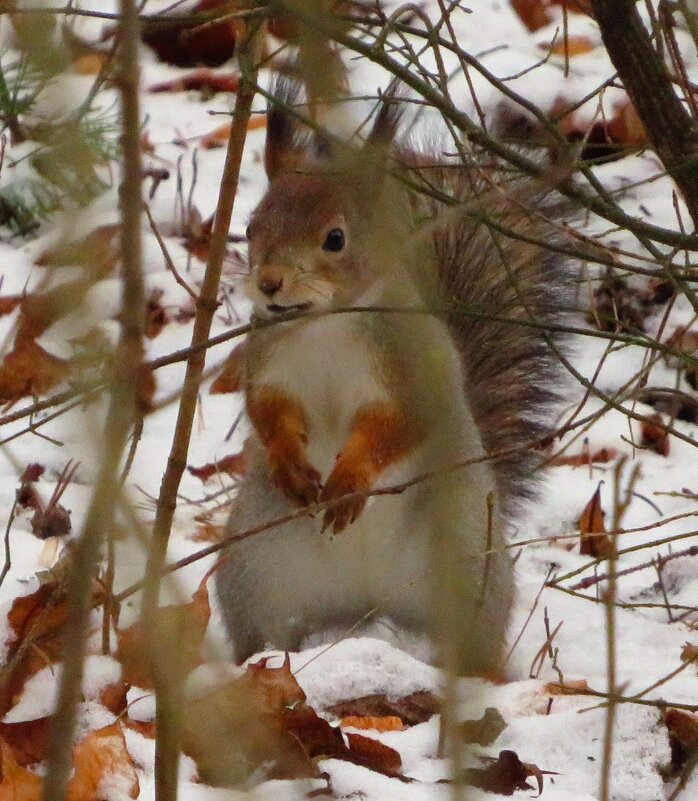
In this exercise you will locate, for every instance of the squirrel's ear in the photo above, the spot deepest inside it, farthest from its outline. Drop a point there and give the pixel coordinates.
(387, 120)
(283, 148)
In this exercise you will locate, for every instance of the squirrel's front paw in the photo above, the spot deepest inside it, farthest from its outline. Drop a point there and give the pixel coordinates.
(297, 479)
(347, 478)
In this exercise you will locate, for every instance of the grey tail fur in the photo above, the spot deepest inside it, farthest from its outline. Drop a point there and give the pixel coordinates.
(509, 293)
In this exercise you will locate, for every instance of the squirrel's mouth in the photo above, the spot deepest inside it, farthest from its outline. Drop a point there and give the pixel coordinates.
(298, 307)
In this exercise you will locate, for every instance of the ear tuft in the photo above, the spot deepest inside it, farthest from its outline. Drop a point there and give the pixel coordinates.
(281, 149)
(387, 119)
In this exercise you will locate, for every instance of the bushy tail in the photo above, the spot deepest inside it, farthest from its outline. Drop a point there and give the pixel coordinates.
(508, 290)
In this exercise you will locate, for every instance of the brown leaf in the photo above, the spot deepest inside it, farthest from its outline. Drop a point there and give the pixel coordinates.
(201, 80)
(179, 629)
(28, 739)
(29, 370)
(113, 697)
(146, 386)
(567, 688)
(377, 723)
(36, 621)
(505, 775)
(618, 306)
(18, 784)
(98, 252)
(594, 540)
(486, 730)
(242, 727)
(415, 708)
(373, 754)
(54, 521)
(683, 726)
(236, 464)
(188, 43)
(672, 402)
(232, 375)
(654, 436)
(689, 652)
(9, 303)
(600, 456)
(156, 318)
(102, 757)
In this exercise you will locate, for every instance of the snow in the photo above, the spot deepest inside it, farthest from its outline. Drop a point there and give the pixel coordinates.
(565, 736)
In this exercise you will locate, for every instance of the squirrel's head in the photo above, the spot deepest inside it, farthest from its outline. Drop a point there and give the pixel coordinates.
(313, 237)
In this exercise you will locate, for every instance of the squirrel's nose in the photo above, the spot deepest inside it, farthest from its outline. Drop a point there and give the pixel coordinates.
(269, 285)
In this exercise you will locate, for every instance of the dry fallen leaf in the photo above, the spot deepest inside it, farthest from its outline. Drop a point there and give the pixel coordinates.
(594, 540)
(36, 622)
(28, 739)
(601, 456)
(415, 708)
(180, 630)
(683, 726)
(18, 784)
(569, 687)
(236, 464)
(102, 761)
(188, 43)
(505, 775)
(377, 723)
(201, 80)
(486, 730)
(689, 652)
(654, 436)
(30, 370)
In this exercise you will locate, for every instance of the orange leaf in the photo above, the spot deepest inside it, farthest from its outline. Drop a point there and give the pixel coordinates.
(594, 540)
(100, 760)
(387, 723)
(18, 784)
(89, 63)
(232, 376)
(573, 46)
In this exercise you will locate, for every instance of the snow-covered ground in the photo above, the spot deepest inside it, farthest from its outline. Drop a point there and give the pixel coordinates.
(559, 733)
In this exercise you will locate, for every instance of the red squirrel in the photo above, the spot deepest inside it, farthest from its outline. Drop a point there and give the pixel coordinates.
(391, 349)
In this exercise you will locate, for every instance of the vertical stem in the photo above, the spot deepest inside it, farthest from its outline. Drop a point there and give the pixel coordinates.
(120, 415)
(168, 685)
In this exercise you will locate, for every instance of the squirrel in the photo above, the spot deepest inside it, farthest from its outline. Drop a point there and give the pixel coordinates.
(395, 376)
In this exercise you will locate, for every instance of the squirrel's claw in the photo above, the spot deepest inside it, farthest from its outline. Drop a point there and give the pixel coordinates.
(298, 480)
(345, 480)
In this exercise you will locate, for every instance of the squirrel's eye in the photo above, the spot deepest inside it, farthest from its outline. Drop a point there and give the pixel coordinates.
(334, 241)
(248, 232)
